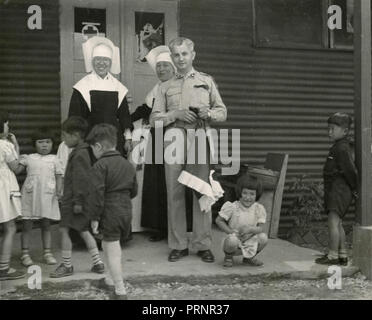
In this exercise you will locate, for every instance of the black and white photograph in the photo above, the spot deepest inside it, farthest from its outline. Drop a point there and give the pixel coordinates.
(184, 150)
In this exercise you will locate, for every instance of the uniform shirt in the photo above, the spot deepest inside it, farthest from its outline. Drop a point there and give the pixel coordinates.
(340, 164)
(194, 89)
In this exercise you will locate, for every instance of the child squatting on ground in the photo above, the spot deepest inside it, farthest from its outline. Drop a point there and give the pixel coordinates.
(112, 185)
(40, 193)
(74, 213)
(242, 220)
(340, 183)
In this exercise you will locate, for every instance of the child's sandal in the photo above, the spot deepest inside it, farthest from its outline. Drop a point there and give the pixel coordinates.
(26, 260)
(49, 259)
(228, 262)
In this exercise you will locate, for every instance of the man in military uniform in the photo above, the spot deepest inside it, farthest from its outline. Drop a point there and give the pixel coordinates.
(190, 100)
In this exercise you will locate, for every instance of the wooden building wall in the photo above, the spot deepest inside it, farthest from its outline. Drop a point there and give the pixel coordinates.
(279, 98)
(29, 68)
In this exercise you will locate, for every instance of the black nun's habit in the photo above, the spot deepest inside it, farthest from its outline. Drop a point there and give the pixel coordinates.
(102, 100)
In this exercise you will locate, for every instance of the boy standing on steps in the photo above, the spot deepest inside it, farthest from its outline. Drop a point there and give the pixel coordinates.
(112, 185)
(74, 213)
(340, 183)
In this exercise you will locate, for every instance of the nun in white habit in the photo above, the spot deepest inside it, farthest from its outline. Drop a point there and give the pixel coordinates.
(154, 192)
(99, 97)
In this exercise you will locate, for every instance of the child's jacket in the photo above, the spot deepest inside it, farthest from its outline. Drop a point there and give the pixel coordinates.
(340, 177)
(112, 185)
(76, 177)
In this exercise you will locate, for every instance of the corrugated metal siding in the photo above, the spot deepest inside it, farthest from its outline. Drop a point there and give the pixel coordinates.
(29, 67)
(279, 98)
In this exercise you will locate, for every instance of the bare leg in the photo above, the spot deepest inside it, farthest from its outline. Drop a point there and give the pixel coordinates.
(66, 240)
(342, 251)
(112, 251)
(7, 244)
(26, 233)
(93, 250)
(334, 234)
(66, 247)
(47, 242)
(25, 241)
(262, 242)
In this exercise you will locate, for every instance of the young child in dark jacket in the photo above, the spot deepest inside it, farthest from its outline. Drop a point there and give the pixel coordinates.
(112, 185)
(74, 213)
(340, 184)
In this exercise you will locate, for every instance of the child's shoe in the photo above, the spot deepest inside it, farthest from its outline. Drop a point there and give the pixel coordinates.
(62, 271)
(326, 261)
(49, 259)
(26, 260)
(228, 262)
(98, 268)
(252, 262)
(11, 274)
(343, 261)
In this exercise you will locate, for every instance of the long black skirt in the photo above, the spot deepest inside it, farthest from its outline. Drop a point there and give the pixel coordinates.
(154, 194)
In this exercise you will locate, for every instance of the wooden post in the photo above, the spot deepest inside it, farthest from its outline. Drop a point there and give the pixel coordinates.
(362, 100)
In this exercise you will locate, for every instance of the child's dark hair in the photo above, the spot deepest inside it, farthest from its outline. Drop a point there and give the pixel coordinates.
(4, 117)
(43, 133)
(247, 181)
(75, 124)
(103, 133)
(341, 119)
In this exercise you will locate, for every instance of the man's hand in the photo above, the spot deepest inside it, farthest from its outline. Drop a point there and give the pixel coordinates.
(78, 208)
(94, 226)
(186, 115)
(128, 146)
(204, 113)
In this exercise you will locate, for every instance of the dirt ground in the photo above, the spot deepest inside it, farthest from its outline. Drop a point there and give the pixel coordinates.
(216, 288)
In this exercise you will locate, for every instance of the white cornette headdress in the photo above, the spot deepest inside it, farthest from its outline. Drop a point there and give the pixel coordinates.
(101, 46)
(159, 54)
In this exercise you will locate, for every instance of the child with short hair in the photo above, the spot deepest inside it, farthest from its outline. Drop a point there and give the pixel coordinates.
(10, 202)
(40, 193)
(340, 184)
(242, 220)
(112, 186)
(74, 214)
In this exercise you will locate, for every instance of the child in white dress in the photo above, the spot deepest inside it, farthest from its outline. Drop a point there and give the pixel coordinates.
(242, 220)
(40, 193)
(10, 201)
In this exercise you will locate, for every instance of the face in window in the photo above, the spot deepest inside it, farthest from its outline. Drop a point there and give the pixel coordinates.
(248, 197)
(183, 57)
(101, 65)
(164, 70)
(44, 146)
